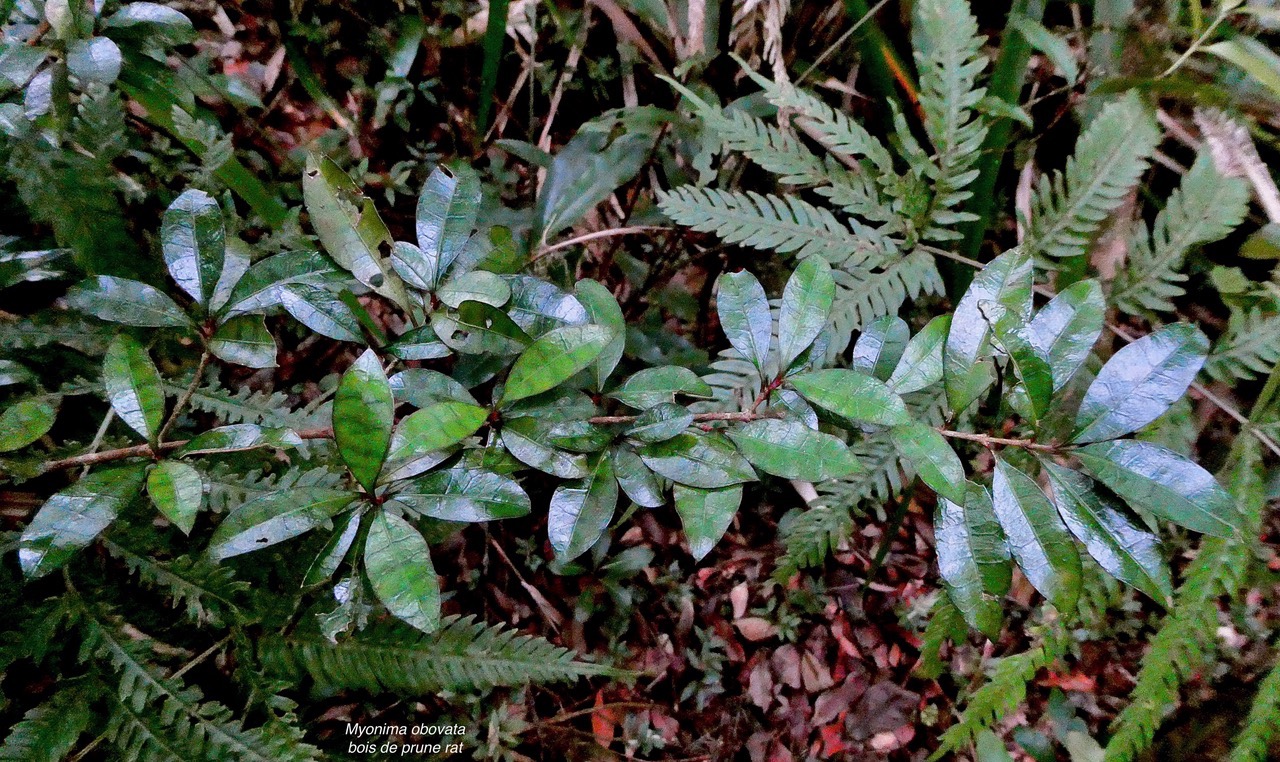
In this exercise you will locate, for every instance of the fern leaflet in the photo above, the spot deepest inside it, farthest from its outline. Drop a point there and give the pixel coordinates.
(1263, 723)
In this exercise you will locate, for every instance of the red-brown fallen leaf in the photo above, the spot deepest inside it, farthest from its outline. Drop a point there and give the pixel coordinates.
(1077, 682)
(665, 724)
(755, 629)
(604, 721)
(832, 737)
(886, 741)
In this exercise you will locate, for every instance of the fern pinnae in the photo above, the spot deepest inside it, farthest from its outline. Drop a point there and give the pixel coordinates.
(1249, 348)
(1262, 726)
(49, 731)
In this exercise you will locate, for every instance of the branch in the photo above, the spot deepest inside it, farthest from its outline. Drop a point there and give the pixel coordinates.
(990, 441)
(144, 450)
(698, 418)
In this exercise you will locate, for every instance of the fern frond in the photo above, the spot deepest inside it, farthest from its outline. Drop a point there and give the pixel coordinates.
(1069, 208)
(1253, 744)
(948, 53)
(53, 327)
(463, 655)
(229, 488)
(204, 589)
(864, 296)
(773, 223)
(1249, 348)
(946, 623)
(245, 405)
(1205, 207)
(811, 535)
(48, 732)
(833, 129)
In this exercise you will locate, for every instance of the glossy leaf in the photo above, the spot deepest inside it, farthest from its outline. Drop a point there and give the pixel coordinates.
(789, 449)
(1164, 483)
(654, 386)
(475, 286)
(806, 305)
(194, 243)
(635, 478)
(398, 565)
(880, 347)
(464, 494)
(177, 491)
(581, 511)
(698, 460)
(477, 328)
(413, 266)
(921, 363)
(959, 549)
(524, 438)
(244, 340)
(1032, 369)
(25, 421)
(579, 435)
(274, 518)
(118, 300)
(743, 308)
(74, 517)
(330, 557)
(447, 210)
(554, 359)
(423, 387)
(1036, 536)
(539, 307)
(441, 425)
(262, 285)
(159, 22)
(660, 423)
(1122, 548)
(133, 386)
(96, 60)
(603, 310)
(1006, 282)
(419, 344)
(706, 514)
(363, 412)
(1140, 382)
(1066, 329)
(321, 311)
(934, 461)
(852, 396)
(239, 437)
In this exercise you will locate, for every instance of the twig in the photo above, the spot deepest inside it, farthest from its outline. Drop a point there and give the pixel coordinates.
(186, 396)
(990, 441)
(210, 651)
(699, 418)
(632, 230)
(549, 612)
(141, 451)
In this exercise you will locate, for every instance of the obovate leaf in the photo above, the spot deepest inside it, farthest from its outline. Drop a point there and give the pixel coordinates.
(1124, 550)
(636, 479)
(1164, 483)
(654, 386)
(1036, 536)
(603, 310)
(934, 461)
(177, 491)
(921, 363)
(525, 439)
(852, 396)
(1140, 382)
(238, 437)
(1005, 281)
(880, 347)
(25, 421)
(447, 210)
(321, 311)
(244, 340)
(133, 386)
(698, 460)
(1066, 329)
(419, 344)
(465, 494)
(806, 305)
(660, 423)
(74, 517)
(363, 413)
(194, 242)
(580, 512)
(330, 557)
(423, 387)
(397, 562)
(789, 449)
(475, 286)
(743, 308)
(274, 518)
(706, 514)
(260, 287)
(128, 302)
(441, 425)
(554, 359)
(478, 329)
(96, 60)
(538, 306)
(966, 542)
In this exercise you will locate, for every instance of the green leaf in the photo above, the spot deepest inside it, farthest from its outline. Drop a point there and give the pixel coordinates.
(880, 347)
(447, 210)
(330, 557)
(743, 308)
(478, 329)
(554, 359)
(94, 61)
(133, 386)
(934, 461)
(153, 20)
(806, 305)
(660, 423)
(260, 287)
(238, 437)
(1253, 56)
(1037, 537)
(539, 306)
(1140, 382)
(789, 449)
(580, 512)
(274, 518)
(1031, 367)
(397, 562)
(349, 227)
(654, 386)
(244, 340)
(1006, 282)
(422, 387)
(465, 494)
(1163, 483)
(1123, 549)
(74, 517)
(636, 479)
(852, 396)
(698, 460)
(419, 344)
(706, 515)
(25, 421)
(177, 491)
(363, 413)
(921, 363)
(968, 544)
(321, 311)
(603, 310)
(118, 300)
(194, 242)
(1054, 47)
(1066, 329)
(475, 286)
(525, 439)
(441, 425)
